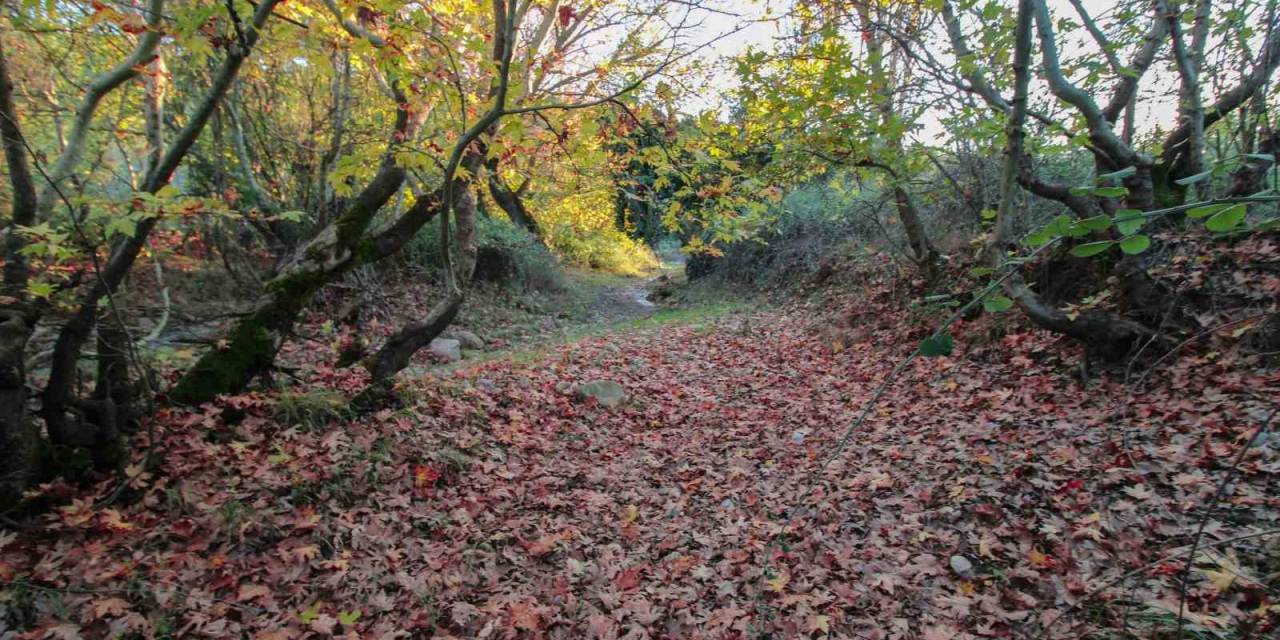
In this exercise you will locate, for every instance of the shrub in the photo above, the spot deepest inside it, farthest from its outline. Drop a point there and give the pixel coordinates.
(815, 223)
(606, 249)
(507, 255)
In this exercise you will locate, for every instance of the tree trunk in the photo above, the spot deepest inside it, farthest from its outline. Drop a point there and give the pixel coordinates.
(925, 256)
(58, 395)
(512, 202)
(1251, 177)
(1107, 335)
(19, 437)
(256, 338)
(251, 345)
(394, 356)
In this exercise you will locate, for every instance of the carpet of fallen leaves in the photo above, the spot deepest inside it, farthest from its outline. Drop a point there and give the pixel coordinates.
(993, 493)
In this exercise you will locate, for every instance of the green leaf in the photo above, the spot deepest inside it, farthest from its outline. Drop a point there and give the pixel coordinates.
(1076, 230)
(1206, 210)
(124, 225)
(348, 618)
(1110, 192)
(1081, 191)
(939, 345)
(1199, 177)
(1268, 225)
(1119, 175)
(1096, 223)
(996, 304)
(308, 616)
(1039, 239)
(1133, 245)
(40, 289)
(988, 214)
(978, 272)
(1128, 221)
(1227, 219)
(1091, 248)
(1262, 157)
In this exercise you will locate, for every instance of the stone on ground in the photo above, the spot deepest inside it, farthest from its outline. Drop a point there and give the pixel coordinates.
(468, 339)
(446, 349)
(607, 392)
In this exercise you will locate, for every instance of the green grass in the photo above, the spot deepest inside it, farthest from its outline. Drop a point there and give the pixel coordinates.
(700, 316)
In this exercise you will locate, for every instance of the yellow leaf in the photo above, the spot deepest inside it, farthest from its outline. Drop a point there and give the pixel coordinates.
(984, 548)
(1038, 559)
(779, 583)
(1222, 580)
(630, 514)
(819, 623)
(1226, 571)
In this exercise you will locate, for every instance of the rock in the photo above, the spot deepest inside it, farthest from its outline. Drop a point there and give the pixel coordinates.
(446, 349)
(468, 339)
(607, 392)
(962, 567)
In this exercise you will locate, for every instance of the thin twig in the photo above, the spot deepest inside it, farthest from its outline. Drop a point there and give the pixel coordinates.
(1204, 520)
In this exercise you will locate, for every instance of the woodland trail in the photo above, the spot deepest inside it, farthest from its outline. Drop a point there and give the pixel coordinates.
(623, 302)
(497, 504)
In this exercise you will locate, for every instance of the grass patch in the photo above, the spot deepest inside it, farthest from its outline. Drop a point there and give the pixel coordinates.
(702, 315)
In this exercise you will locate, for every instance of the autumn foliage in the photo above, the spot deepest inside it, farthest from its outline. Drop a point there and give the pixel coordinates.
(708, 505)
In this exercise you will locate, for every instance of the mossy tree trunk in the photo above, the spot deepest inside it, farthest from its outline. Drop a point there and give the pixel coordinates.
(250, 347)
(396, 353)
(71, 420)
(18, 435)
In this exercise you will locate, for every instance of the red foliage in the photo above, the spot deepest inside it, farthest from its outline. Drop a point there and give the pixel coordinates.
(496, 506)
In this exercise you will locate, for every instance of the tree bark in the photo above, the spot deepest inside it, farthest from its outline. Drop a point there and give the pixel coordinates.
(1176, 155)
(98, 88)
(1108, 335)
(58, 395)
(395, 354)
(18, 434)
(251, 345)
(511, 200)
(925, 256)
(1251, 177)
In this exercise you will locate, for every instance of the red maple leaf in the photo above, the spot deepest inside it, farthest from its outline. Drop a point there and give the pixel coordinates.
(566, 15)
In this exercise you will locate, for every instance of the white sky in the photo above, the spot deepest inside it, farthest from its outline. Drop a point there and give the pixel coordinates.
(754, 29)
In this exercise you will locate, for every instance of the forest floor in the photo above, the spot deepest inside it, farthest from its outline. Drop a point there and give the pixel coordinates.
(992, 493)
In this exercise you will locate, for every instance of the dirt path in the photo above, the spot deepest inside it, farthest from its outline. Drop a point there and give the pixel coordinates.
(496, 504)
(624, 301)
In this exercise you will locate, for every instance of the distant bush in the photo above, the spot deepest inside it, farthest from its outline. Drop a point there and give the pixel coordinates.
(606, 249)
(507, 255)
(815, 223)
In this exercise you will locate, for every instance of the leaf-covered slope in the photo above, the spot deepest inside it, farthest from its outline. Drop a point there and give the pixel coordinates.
(500, 505)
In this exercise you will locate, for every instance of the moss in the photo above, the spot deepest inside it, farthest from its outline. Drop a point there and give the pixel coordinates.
(1166, 191)
(312, 409)
(250, 348)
